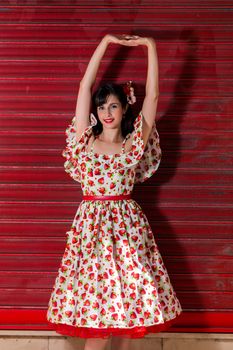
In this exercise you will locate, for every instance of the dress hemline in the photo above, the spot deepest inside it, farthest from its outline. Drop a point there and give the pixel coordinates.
(90, 332)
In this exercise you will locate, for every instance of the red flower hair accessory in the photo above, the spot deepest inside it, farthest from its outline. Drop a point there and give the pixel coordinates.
(129, 91)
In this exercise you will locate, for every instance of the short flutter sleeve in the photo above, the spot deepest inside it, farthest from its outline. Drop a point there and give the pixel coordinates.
(146, 159)
(74, 147)
(150, 160)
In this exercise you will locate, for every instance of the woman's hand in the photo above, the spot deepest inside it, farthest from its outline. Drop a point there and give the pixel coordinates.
(128, 40)
(135, 40)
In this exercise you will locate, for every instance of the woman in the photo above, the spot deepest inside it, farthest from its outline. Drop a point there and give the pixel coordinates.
(85, 90)
(112, 280)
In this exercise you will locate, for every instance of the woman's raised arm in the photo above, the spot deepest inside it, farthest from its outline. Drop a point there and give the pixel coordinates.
(83, 104)
(150, 102)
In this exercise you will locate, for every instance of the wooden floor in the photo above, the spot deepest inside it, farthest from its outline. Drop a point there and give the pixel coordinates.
(49, 340)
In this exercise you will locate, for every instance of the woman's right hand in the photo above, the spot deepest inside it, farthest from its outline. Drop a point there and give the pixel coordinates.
(119, 39)
(128, 40)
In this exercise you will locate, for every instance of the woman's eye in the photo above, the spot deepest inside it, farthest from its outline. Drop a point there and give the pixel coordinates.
(101, 107)
(114, 106)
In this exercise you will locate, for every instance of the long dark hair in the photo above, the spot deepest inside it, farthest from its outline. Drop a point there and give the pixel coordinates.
(100, 97)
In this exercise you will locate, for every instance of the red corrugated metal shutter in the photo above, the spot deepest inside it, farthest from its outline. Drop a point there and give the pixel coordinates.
(44, 53)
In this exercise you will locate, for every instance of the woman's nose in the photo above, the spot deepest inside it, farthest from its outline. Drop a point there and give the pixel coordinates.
(108, 112)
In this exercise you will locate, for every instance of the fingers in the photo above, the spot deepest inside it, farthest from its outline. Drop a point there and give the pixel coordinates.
(129, 43)
(128, 40)
(129, 37)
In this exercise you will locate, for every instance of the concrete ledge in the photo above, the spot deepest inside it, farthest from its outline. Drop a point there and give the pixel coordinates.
(33, 333)
(50, 340)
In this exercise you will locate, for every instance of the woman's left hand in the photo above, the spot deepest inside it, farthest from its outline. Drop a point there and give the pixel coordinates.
(135, 40)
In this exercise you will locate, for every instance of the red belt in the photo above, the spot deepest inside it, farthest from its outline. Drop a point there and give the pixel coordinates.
(116, 197)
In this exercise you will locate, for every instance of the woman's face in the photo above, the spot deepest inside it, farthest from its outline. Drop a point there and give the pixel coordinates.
(111, 112)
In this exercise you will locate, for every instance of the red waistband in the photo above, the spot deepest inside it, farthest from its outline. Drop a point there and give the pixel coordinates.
(116, 197)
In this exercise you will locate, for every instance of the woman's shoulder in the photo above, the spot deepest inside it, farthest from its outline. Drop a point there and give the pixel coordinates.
(129, 141)
(89, 142)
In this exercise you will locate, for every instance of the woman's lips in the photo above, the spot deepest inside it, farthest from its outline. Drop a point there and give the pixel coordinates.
(108, 120)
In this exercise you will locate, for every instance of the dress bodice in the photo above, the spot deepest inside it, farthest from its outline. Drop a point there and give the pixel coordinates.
(102, 174)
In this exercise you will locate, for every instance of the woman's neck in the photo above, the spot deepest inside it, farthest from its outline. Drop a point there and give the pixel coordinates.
(111, 136)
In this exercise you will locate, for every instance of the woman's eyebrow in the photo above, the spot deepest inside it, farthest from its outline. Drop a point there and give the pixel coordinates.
(112, 103)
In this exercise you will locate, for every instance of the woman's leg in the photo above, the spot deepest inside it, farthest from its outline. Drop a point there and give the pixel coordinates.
(119, 343)
(95, 344)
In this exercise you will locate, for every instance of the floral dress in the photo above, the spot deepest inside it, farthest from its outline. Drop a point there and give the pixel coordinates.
(112, 280)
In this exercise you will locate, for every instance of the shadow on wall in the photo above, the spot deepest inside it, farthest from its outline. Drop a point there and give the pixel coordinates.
(175, 109)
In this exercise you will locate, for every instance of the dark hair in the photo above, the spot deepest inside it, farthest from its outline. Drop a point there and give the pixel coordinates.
(100, 97)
